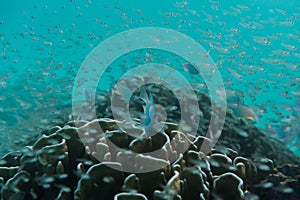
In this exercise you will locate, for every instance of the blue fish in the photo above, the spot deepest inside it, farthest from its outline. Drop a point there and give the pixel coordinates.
(190, 68)
(149, 112)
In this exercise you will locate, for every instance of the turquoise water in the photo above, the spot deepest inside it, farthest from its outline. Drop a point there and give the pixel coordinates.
(43, 43)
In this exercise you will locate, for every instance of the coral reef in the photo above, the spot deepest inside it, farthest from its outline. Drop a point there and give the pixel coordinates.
(59, 166)
(77, 160)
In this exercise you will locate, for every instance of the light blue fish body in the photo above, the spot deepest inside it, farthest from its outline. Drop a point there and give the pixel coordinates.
(149, 111)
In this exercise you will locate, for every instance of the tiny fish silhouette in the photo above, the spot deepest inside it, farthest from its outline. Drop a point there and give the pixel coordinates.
(243, 111)
(190, 68)
(87, 94)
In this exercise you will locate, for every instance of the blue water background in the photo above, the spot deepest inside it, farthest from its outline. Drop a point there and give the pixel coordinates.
(43, 44)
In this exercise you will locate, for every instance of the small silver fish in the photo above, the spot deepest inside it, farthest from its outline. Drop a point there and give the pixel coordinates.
(243, 111)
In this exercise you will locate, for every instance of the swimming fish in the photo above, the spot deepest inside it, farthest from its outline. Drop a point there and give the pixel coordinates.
(190, 68)
(87, 94)
(229, 95)
(277, 130)
(149, 111)
(243, 111)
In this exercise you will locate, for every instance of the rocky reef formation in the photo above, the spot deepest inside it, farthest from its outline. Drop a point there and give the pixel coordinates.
(77, 160)
(238, 133)
(60, 166)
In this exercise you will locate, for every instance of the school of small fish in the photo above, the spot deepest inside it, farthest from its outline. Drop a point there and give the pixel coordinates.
(255, 46)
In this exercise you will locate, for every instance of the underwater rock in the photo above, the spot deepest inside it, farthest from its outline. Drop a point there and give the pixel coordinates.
(100, 181)
(289, 170)
(151, 181)
(141, 145)
(257, 144)
(171, 190)
(65, 194)
(283, 183)
(228, 186)
(7, 172)
(194, 183)
(238, 134)
(130, 196)
(131, 184)
(20, 186)
(264, 167)
(250, 168)
(77, 160)
(11, 159)
(220, 163)
(102, 151)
